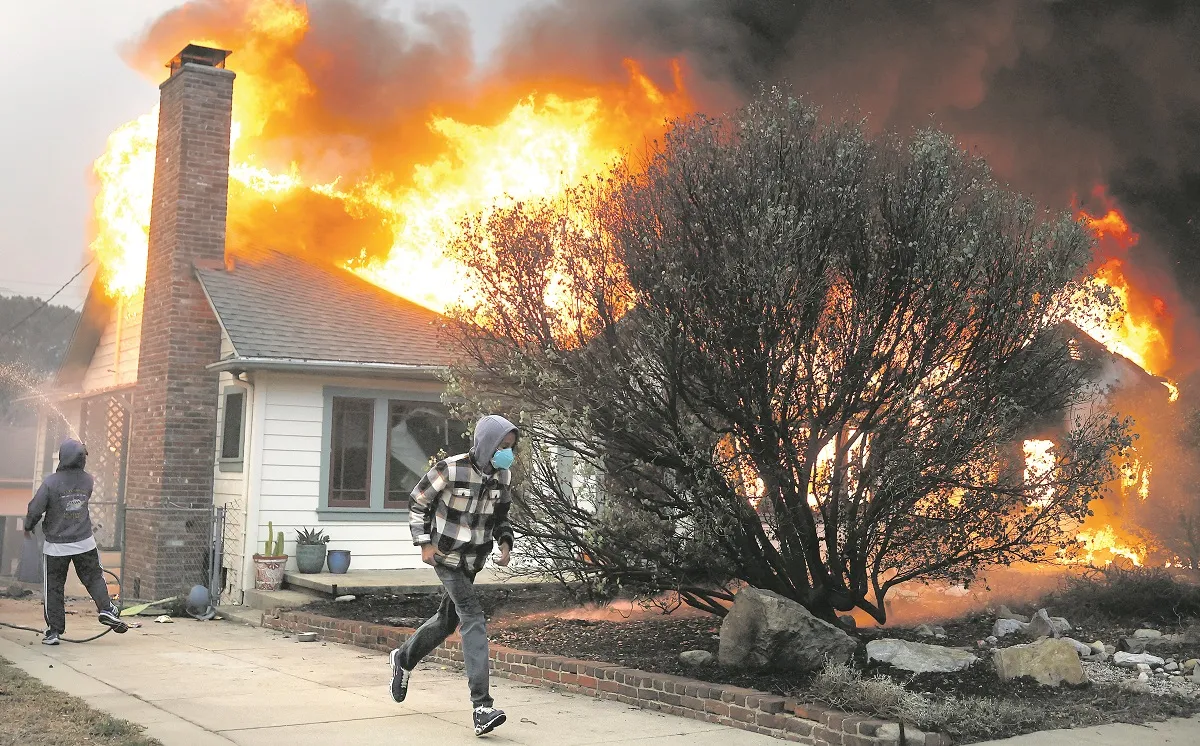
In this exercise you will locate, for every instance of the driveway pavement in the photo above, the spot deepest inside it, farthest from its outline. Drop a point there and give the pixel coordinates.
(200, 683)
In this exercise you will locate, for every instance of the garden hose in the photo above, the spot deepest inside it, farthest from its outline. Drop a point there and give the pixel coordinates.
(67, 639)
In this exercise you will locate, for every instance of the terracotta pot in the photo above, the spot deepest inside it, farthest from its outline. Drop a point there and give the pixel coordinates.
(268, 572)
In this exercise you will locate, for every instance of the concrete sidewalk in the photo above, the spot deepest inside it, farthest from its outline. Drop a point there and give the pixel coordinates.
(200, 683)
(1177, 732)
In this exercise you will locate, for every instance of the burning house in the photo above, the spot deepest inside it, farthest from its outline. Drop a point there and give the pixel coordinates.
(247, 342)
(312, 392)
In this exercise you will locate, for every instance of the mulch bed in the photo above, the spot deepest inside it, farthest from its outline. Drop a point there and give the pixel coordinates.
(549, 621)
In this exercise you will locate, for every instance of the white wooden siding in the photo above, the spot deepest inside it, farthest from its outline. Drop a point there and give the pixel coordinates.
(115, 361)
(289, 483)
(229, 490)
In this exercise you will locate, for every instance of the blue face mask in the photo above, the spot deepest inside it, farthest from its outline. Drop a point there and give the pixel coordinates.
(503, 459)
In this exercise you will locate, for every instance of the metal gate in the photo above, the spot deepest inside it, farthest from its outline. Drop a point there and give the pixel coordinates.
(187, 544)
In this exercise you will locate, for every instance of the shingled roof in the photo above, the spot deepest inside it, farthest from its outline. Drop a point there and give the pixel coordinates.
(277, 307)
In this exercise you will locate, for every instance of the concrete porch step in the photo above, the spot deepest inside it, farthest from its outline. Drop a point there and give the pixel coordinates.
(272, 601)
(400, 582)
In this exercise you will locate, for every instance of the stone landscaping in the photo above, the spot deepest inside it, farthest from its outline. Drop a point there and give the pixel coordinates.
(983, 675)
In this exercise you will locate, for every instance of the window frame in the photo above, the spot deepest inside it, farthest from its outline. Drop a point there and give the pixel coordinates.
(238, 463)
(370, 445)
(376, 508)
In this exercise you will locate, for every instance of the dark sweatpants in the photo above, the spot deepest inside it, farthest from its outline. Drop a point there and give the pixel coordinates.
(87, 568)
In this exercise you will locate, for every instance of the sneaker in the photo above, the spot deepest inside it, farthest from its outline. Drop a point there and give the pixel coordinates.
(400, 677)
(51, 638)
(111, 617)
(487, 719)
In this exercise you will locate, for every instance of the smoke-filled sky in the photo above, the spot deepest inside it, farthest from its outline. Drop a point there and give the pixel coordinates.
(1062, 96)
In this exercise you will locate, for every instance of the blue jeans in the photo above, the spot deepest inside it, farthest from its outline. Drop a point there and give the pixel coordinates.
(460, 608)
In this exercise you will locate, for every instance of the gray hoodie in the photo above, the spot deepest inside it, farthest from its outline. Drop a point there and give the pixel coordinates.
(489, 431)
(62, 500)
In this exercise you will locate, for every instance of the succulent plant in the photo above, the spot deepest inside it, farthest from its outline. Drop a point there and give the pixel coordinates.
(311, 536)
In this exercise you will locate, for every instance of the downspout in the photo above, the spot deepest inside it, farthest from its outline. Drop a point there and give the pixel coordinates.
(250, 468)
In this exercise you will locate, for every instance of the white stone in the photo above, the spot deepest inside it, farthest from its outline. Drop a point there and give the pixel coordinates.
(1005, 627)
(1080, 647)
(919, 657)
(1143, 676)
(343, 599)
(891, 732)
(1147, 634)
(1097, 647)
(1143, 667)
(1131, 660)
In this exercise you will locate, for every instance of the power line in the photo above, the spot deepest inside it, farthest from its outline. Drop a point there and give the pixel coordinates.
(46, 302)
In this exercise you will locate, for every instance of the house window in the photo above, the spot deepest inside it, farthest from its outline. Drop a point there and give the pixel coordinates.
(377, 446)
(233, 419)
(417, 435)
(350, 452)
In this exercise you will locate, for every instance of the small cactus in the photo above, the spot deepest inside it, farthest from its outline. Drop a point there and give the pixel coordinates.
(270, 537)
(279, 544)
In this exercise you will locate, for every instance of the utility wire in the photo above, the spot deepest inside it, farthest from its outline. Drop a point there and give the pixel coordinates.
(46, 302)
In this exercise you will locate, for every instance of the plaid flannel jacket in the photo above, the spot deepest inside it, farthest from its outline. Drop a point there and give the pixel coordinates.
(460, 511)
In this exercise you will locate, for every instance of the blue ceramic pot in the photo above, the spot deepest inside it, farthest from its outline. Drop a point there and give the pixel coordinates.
(339, 561)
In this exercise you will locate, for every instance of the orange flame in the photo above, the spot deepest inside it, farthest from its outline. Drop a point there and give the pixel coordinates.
(536, 149)
(1039, 463)
(1131, 324)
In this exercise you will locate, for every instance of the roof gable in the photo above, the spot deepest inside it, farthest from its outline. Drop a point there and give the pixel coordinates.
(276, 306)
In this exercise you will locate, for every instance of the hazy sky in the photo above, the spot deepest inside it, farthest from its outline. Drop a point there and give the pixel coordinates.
(65, 89)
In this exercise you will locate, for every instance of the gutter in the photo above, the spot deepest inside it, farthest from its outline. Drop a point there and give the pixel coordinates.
(237, 365)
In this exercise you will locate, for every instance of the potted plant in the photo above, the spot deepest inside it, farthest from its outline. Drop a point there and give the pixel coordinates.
(269, 566)
(310, 550)
(339, 561)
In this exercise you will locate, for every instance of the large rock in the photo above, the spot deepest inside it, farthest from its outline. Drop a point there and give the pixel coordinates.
(1147, 634)
(1050, 662)
(919, 657)
(765, 630)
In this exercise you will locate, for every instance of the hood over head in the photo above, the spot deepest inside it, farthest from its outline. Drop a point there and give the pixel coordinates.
(72, 455)
(488, 433)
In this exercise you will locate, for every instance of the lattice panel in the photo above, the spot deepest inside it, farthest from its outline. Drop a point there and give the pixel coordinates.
(106, 434)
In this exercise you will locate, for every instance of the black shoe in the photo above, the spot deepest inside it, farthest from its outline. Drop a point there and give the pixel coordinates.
(487, 719)
(51, 638)
(111, 618)
(400, 677)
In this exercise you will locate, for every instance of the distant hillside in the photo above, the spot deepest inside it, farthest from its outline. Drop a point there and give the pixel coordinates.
(30, 352)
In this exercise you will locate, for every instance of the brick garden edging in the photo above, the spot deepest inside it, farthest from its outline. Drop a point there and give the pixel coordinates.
(734, 706)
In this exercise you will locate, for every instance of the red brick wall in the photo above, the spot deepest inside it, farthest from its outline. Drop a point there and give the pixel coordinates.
(174, 408)
(733, 706)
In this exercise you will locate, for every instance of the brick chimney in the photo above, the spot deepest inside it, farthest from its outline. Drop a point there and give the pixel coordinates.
(169, 479)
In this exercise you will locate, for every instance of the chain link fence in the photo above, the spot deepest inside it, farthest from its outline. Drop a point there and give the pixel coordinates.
(167, 550)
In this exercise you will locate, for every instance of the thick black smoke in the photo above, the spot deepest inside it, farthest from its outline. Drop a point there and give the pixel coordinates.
(1059, 96)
